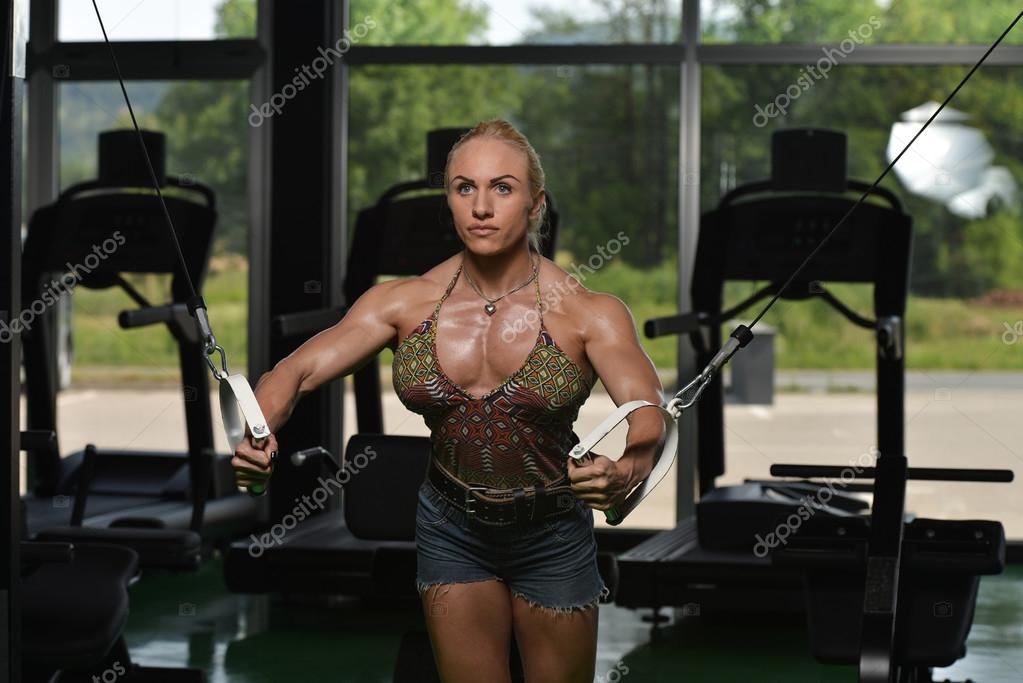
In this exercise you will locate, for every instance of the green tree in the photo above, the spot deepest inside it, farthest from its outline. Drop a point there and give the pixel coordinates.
(864, 102)
(207, 132)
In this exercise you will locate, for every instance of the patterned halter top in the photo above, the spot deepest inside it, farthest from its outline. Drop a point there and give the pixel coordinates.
(517, 434)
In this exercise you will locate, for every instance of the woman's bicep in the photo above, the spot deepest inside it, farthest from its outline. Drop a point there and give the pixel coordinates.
(614, 350)
(367, 327)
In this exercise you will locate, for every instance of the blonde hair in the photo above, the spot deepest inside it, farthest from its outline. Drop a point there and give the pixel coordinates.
(502, 130)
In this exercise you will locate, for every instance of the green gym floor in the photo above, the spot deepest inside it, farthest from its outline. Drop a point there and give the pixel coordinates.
(192, 620)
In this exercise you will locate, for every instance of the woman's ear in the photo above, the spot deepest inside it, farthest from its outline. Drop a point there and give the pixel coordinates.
(538, 203)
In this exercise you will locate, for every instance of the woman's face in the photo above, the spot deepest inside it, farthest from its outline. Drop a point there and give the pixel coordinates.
(488, 192)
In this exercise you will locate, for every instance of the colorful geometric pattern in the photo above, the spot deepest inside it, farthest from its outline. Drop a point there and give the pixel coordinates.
(517, 434)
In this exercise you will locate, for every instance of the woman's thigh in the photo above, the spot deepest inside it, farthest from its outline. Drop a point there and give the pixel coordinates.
(470, 630)
(556, 588)
(477, 584)
(466, 606)
(555, 648)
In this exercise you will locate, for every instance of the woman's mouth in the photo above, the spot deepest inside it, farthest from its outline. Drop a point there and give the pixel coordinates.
(482, 229)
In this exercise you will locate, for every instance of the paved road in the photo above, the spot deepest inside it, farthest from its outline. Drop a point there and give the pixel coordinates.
(953, 420)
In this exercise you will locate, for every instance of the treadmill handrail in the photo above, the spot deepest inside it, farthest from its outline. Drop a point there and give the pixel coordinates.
(766, 186)
(307, 322)
(174, 181)
(916, 473)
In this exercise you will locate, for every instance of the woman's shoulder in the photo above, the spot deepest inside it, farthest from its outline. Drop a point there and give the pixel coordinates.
(568, 295)
(430, 284)
(561, 285)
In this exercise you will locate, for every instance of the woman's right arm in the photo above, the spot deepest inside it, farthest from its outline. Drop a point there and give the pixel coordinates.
(368, 326)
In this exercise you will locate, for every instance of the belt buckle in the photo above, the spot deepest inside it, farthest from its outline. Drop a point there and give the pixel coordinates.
(470, 501)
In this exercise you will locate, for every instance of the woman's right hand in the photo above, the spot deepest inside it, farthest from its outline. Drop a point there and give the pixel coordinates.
(253, 464)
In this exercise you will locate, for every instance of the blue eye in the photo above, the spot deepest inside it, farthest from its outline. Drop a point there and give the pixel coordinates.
(505, 186)
(462, 187)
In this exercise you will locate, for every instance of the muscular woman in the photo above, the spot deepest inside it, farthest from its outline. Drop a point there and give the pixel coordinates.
(498, 348)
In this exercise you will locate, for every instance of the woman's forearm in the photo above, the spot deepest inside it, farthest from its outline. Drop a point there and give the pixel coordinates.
(644, 439)
(278, 392)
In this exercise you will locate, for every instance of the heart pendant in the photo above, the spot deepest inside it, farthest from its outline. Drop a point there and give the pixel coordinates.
(490, 308)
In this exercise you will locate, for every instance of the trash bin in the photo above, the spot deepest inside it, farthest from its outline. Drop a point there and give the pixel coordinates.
(753, 368)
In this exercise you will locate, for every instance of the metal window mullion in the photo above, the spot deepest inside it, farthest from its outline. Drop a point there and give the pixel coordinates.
(675, 54)
(153, 60)
(893, 55)
(337, 249)
(688, 228)
(260, 163)
(42, 158)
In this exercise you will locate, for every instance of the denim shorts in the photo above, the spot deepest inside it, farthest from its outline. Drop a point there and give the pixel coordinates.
(551, 564)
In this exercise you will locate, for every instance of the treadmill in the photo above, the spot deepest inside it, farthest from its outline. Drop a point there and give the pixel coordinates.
(869, 578)
(100, 488)
(760, 233)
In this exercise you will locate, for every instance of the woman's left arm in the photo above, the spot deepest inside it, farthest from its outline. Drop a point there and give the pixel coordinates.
(612, 346)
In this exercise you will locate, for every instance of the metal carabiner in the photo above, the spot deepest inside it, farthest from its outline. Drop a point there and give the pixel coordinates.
(223, 363)
(679, 399)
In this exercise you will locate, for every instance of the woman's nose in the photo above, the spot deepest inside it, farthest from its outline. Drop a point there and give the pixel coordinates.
(481, 210)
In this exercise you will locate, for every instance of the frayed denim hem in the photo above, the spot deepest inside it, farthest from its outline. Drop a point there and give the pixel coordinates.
(556, 611)
(422, 587)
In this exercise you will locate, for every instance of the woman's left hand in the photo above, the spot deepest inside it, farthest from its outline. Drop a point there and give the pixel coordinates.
(602, 483)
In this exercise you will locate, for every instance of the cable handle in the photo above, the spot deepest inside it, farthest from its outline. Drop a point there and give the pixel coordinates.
(665, 458)
(235, 393)
(239, 408)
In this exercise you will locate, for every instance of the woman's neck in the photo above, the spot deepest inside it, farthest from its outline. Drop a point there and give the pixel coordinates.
(499, 273)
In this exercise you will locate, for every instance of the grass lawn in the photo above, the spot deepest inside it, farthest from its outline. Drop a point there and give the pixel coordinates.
(941, 333)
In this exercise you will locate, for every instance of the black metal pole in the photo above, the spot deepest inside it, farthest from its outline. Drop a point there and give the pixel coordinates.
(11, 96)
(304, 232)
(884, 547)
